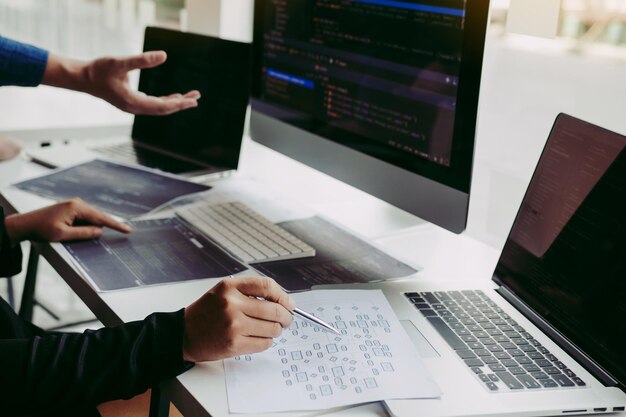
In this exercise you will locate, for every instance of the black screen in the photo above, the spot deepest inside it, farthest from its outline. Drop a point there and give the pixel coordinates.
(211, 133)
(387, 78)
(566, 254)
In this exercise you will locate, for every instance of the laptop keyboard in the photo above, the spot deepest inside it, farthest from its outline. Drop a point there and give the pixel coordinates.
(129, 154)
(497, 350)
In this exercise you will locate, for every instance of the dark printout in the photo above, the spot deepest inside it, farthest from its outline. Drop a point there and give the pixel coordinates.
(117, 189)
(157, 252)
(341, 258)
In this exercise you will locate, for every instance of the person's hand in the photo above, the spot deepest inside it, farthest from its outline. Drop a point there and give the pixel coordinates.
(107, 78)
(228, 320)
(70, 220)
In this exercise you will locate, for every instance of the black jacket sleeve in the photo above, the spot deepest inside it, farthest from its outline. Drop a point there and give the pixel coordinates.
(61, 371)
(10, 257)
(48, 373)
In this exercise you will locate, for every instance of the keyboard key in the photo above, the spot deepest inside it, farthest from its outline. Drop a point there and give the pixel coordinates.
(516, 370)
(540, 375)
(429, 313)
(552, 371)
(476, 345)
(430, 297)
(497, 368)
(532, 368)
(468, 339)
(527, 348)
(502, 355)
(477, 371)
(489, 360)
(474, 363)
(466, 354)
(451, 338)
(493, 377)
(579, 381)
(509, 380)
(544, 363)
(563, 381)
(483, 378)
(509, 362)
(548, 383)
(492, 386)
(528, 381)
(569, 372)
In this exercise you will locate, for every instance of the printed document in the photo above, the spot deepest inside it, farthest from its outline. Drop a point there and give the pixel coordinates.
(309, 368)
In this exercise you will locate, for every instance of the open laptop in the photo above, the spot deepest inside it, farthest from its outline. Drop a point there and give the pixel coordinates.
(202, 140)
(548, 336)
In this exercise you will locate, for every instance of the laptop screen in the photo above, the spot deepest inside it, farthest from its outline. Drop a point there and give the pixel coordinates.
(211, 133)
(566, 254)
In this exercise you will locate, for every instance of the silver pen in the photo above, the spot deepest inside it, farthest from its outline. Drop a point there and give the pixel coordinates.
(308, 316)
(315, 320)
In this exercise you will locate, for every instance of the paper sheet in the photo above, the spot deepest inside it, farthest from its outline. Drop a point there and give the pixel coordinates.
(309, 368)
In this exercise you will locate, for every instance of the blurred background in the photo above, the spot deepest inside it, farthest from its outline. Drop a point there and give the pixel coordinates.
(527, 81)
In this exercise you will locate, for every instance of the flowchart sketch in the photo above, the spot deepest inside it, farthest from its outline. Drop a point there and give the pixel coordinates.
(308, 368)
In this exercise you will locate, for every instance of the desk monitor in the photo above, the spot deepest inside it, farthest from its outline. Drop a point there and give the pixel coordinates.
(380, 94)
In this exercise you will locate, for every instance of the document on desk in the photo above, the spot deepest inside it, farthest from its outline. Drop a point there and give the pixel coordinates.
(308, 368)
(340, 258)
(159, 251)
(126, 191)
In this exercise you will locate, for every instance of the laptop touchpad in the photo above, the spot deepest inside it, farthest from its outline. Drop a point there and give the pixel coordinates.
(424, 348)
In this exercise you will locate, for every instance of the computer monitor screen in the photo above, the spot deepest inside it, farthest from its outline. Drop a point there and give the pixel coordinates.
(381, 94)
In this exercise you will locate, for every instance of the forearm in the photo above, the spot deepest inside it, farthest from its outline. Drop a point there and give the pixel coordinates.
(60, 371)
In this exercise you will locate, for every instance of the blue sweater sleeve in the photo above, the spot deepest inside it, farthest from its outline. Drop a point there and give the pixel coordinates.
(21, 64)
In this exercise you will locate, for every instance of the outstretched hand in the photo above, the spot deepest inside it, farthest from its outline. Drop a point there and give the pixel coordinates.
(107, 78)
(230, 320)
(70, 220)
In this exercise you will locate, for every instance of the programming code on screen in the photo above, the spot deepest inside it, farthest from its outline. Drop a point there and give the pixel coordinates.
(387, 71)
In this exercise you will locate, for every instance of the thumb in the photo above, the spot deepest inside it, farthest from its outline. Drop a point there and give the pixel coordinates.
(146, 60)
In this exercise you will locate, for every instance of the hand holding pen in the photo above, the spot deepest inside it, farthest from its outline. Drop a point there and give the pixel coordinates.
(230, 320)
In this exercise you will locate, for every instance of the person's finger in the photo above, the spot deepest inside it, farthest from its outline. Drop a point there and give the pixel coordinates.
(160, 106)
(195, 94)
(80, 233)
(265, 288)
(97, 218)
(146, 60)
(260, 328)
(254, 344)
(268, 311)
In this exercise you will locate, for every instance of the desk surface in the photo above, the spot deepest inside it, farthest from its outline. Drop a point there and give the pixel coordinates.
(523, 91)
(201, 390)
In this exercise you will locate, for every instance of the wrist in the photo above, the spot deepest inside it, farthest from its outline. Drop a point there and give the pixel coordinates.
(66, 73)
(14, 228)
(186, 340)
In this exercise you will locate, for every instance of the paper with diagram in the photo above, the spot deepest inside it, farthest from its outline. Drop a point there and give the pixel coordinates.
(308, 368)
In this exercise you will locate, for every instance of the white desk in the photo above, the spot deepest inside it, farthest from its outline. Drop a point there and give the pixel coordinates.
(522, 92)
(201, 391)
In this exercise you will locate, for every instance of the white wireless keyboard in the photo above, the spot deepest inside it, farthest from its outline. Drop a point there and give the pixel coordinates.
(244, 233)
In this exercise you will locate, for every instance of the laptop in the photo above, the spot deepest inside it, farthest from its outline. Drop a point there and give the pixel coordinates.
(203, 140)
(548, 335)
